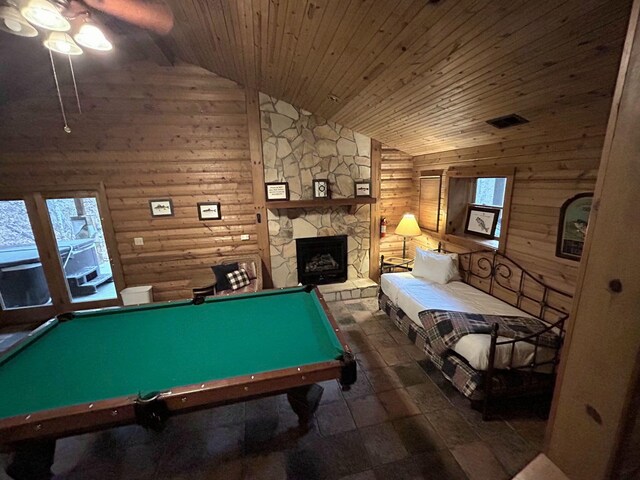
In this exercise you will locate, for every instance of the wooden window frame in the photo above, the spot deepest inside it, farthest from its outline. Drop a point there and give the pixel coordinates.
(35, 200)
(430, 174)
(461, 183)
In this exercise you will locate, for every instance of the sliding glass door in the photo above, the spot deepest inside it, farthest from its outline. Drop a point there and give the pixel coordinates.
(56, 255)
(81, 247)
(22, 280)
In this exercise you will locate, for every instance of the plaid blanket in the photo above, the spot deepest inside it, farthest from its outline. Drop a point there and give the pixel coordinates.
(468, 381)
(444, 328)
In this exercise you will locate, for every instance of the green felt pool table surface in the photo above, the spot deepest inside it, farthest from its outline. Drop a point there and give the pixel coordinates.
(136, 351)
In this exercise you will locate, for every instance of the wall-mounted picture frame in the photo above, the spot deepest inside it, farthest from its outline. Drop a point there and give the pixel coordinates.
(321, 188)
(572, 227)
(161, 207)
(482, 221)
(209, 211)
(362, 189)
(277, 191)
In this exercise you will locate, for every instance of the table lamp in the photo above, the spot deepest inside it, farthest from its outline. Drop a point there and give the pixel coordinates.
(408, 227)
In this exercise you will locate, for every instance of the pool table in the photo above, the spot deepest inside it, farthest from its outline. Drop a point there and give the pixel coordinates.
(98, 369)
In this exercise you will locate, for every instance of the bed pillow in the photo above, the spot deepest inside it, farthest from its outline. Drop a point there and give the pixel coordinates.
(238, 279)
(454, 256)
(436, 267)
(220, 271)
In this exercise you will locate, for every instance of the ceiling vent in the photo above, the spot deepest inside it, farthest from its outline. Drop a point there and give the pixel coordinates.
(507, 121)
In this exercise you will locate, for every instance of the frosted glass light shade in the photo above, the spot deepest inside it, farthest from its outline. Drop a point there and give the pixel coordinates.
(91, 36)
(43, 14)
(12, 22)
(62, 43)
(408, 226)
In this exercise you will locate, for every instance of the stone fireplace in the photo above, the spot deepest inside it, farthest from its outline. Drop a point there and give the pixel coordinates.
(299, 147)
(322, 260)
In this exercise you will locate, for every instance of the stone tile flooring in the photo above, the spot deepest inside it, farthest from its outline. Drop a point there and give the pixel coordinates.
(401, 420)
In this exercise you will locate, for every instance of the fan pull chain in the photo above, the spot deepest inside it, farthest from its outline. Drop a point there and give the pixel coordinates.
(55, 77)
(75, 86)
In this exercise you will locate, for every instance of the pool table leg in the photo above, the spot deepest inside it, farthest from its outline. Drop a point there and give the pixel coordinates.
(33, 460)
(304, 402)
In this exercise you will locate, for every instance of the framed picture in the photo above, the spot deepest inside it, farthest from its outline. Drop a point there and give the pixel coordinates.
(161, 207)
(277, 191)
(321, 188)
(209, 211)
(572, 228)
(362, 189)
(482, 221)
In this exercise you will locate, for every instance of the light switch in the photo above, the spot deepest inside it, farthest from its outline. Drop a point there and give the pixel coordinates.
(138, 241)
(244, 237)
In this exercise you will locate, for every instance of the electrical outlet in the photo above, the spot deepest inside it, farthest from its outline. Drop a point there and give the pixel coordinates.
(244, 237)
(138, 241)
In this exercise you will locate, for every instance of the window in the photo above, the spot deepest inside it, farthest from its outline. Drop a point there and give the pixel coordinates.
(429, 208)
(487, 187)
(35, 285)
(22, 280)
(490, 192)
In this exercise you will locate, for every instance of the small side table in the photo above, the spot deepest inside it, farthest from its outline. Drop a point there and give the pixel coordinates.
(392, 264)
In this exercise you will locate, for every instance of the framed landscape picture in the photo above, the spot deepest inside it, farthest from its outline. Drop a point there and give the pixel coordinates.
(482, 221)
(362, 189)
(572, 228)
(161, 207)
(209, 211)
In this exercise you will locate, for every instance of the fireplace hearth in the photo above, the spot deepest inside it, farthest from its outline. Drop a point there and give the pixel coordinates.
(322, 260)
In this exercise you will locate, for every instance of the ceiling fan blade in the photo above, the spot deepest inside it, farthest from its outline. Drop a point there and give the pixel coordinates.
(153, 15)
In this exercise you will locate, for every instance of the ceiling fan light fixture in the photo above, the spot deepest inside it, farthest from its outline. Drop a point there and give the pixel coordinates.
(44, 14)
(62, 43)
(91, 36)
(12, 22)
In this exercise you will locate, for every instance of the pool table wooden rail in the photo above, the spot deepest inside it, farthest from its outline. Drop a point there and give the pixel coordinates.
(77, 419)
(102, 414)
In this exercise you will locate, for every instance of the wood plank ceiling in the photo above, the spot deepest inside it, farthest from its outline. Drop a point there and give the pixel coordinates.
(421, 76)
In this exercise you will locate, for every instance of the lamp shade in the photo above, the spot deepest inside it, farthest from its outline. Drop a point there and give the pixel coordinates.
(408, 226)
(45, 15)
(11, 21)
(62, 43)
(91, 36)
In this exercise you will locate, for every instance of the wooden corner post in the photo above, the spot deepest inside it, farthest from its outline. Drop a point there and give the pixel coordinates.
(374, 251)
(257, 176)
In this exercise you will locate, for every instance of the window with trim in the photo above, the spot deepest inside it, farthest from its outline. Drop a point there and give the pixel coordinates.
(35, 284)
(490, 192)
(429, 206)
(488, 189)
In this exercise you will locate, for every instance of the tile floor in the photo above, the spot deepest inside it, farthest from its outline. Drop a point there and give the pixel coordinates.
(401, 420)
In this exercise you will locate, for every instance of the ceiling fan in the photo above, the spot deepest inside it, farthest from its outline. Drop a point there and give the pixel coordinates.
(69, 26)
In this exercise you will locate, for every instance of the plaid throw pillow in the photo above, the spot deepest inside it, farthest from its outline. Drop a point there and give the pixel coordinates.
(238, 279)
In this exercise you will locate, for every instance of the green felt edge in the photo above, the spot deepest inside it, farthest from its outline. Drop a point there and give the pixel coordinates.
(334, 341)
(38, 333)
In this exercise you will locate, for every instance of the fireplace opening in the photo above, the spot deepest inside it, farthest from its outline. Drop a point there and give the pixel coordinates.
(322, 260)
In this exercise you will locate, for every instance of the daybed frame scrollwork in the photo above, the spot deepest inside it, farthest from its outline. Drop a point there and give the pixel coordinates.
(503, 278)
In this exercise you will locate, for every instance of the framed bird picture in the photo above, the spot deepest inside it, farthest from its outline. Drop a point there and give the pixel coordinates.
(572, 228)
(482, 221)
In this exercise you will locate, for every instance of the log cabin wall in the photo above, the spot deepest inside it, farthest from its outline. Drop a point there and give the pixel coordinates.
(146, 132)
(396, 196)
(548, 172)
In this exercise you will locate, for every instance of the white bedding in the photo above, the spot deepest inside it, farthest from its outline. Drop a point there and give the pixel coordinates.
(413, 295)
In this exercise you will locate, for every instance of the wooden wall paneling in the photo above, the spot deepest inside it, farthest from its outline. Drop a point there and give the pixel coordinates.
(546, 174)
(374, 252)
(420, 76)
(396, 196)
(596, 398)
(146, 132)
(257, 175)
